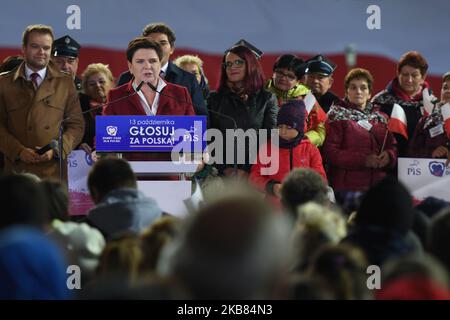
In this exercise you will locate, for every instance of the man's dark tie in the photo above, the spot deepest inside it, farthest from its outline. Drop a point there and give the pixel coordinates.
(34, 77)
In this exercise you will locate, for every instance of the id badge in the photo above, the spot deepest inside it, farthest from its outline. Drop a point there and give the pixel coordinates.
(437, 130)
(365, 124)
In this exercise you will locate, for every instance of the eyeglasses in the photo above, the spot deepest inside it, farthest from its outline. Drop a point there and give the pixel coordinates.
(238, 63)
(281, 74)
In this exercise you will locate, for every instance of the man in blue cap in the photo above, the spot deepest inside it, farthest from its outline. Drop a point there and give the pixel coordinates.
(65, 57)
(318, 77)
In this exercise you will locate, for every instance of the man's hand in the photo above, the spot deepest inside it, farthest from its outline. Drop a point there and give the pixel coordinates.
(84, 146)
(94, 156)
(28, 155)
(383, 159)
(46, 156)
(440, 152)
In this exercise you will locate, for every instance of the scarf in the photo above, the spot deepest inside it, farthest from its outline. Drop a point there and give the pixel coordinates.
(398, 91)
(93, 105)
(394, 94)
(435, 118)
(289, 144)
(349, 111)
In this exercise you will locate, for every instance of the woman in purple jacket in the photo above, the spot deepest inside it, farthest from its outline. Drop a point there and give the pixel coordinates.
(358, 148)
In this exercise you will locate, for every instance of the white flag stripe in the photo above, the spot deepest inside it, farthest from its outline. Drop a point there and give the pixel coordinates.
(398, 113)
(426, 99)
(310, 101)
(445, 109)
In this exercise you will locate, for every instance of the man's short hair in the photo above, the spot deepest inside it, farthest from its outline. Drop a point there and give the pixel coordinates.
(301, 186)
(160, 27)
(143, 43)
(23, 201)
(39, 28)
(110, 174)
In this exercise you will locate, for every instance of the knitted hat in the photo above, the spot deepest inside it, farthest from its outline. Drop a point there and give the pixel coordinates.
(292, 113)
(84, 244)
(387, 204)
(31, 266)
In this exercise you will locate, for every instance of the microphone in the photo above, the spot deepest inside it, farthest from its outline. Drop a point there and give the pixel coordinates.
(178, 100)
(151, 86)
(138, 88)
(60, 135)
(52, 145)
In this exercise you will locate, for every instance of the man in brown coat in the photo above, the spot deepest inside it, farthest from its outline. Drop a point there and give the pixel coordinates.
(33, 100)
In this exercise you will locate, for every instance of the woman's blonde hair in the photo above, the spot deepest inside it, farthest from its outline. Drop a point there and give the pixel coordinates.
(187, 58)
(94, 68)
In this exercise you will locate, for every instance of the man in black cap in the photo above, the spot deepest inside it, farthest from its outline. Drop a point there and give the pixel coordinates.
(318, 77)
(65, 57)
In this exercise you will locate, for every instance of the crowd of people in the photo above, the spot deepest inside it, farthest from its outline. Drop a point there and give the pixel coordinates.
(309, 230)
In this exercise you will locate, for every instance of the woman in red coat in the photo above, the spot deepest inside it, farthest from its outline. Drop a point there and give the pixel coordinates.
(294, 151)
(358, 148)
(144, 61)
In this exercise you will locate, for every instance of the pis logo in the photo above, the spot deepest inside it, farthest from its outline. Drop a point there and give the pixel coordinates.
(436, 168)
(88, 158)
(111, 130)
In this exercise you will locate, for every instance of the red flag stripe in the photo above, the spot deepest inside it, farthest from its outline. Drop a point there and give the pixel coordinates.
(397, 123)
(397, 126)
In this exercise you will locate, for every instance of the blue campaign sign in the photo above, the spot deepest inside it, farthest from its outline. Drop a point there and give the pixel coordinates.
(150, 133)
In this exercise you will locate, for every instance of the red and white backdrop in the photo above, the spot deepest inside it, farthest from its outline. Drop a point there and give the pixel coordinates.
(208, 27)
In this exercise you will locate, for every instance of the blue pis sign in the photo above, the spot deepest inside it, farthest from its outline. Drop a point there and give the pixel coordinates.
(150, 133)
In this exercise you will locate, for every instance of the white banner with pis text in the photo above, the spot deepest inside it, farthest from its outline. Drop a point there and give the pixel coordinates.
(425, 177)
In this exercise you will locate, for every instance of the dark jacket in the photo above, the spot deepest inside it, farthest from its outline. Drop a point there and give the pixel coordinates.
(327, 100)
(258, 112)
(413, 111)
(89, 120)
(180, 77)
(381, 245)
(423, 143)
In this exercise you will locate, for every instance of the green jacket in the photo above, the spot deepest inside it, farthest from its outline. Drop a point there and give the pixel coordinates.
(315, 121)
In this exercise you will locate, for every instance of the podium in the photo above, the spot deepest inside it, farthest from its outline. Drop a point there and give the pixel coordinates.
(170, 194)
(138, 140)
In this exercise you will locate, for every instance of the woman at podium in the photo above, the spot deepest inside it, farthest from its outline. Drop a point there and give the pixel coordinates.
(147, 93)
(156, 96)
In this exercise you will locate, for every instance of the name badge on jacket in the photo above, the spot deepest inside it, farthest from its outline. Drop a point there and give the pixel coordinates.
(365, 124)
(437, 130)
